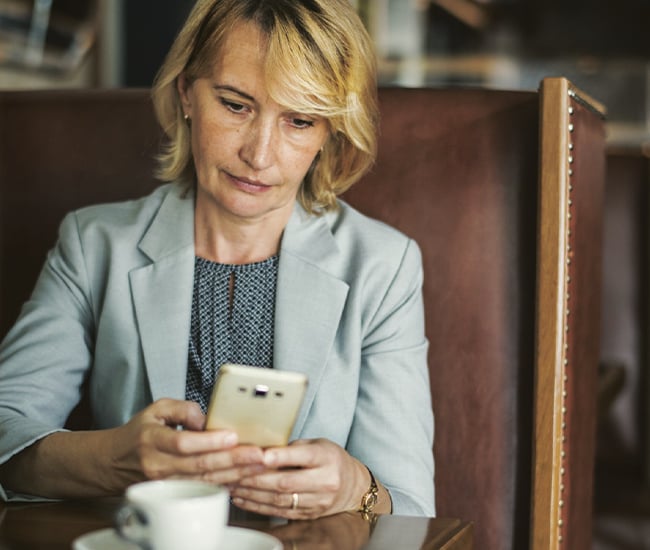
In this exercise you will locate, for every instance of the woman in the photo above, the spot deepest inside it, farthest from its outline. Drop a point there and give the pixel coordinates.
(248, 256)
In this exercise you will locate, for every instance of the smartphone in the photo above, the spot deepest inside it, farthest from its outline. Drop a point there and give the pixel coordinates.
(260, 404)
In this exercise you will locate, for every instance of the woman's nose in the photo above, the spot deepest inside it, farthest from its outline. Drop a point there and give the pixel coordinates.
(258, 149)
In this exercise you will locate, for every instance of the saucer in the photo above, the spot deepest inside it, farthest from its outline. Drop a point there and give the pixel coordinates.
(234, 538)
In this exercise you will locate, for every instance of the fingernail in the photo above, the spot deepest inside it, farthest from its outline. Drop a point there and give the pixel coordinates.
(230, 439)
(270, 458)
(237, 500)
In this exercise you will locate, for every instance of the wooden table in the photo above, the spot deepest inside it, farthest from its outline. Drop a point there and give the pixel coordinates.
(55, 525)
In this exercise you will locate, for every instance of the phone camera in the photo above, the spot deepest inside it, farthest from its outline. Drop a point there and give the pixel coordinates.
(261, 390)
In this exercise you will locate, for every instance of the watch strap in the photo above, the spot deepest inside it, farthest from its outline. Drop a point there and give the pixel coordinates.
(369, 498)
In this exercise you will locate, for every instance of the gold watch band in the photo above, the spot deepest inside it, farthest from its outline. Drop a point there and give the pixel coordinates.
(369, 499)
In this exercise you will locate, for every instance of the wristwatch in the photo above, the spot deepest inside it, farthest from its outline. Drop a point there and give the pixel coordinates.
(369, 499)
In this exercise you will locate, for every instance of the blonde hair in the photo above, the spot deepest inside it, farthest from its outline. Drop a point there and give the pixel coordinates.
(320, 61)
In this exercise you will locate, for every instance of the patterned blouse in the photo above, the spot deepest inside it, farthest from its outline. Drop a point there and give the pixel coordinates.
(229, 327)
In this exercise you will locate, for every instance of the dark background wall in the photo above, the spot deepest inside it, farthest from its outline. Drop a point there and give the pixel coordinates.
(150, 27)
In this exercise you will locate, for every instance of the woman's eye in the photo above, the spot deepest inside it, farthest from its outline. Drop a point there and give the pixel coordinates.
(233, 106)
(301, 123)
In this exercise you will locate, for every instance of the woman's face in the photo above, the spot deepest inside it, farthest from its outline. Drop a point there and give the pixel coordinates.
(250, 153)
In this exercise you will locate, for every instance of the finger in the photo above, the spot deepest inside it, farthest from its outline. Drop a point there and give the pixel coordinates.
(175, 442)
(307, 506)
(285, 481)
(174, 412)
(298, 455)
(213, 467)
(246, 461)
(230, 477)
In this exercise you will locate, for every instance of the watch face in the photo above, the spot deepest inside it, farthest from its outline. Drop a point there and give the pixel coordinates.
(369, 500)
(372, 500)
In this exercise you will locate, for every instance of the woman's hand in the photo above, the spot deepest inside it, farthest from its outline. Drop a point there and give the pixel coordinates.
(325, 478)
(150, 446)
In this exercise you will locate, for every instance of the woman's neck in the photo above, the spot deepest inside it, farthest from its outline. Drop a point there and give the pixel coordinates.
(235, 241)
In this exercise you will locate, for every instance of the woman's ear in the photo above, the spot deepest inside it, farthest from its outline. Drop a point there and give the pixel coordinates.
(182, 85)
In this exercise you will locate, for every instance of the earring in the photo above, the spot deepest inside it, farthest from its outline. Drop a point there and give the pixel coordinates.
(187, 119)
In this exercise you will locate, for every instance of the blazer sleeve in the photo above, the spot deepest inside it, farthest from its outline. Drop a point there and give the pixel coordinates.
(392, 430)
(47, 353)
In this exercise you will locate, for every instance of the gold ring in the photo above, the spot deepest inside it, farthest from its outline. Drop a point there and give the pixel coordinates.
(294, 501)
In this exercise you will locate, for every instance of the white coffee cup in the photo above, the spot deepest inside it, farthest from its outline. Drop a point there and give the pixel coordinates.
(173, 513)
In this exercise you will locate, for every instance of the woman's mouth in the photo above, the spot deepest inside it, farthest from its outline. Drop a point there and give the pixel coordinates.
(249, 185)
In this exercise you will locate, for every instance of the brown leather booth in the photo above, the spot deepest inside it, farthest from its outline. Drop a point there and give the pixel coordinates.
(503, 192)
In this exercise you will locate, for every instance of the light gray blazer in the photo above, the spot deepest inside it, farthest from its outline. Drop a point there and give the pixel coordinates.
(113, 302)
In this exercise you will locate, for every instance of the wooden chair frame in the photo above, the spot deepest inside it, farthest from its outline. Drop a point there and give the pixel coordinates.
(560, 452)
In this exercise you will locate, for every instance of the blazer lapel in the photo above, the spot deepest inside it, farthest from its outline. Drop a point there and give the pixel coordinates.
(162, 294)
(309, 298)
(309, 301)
